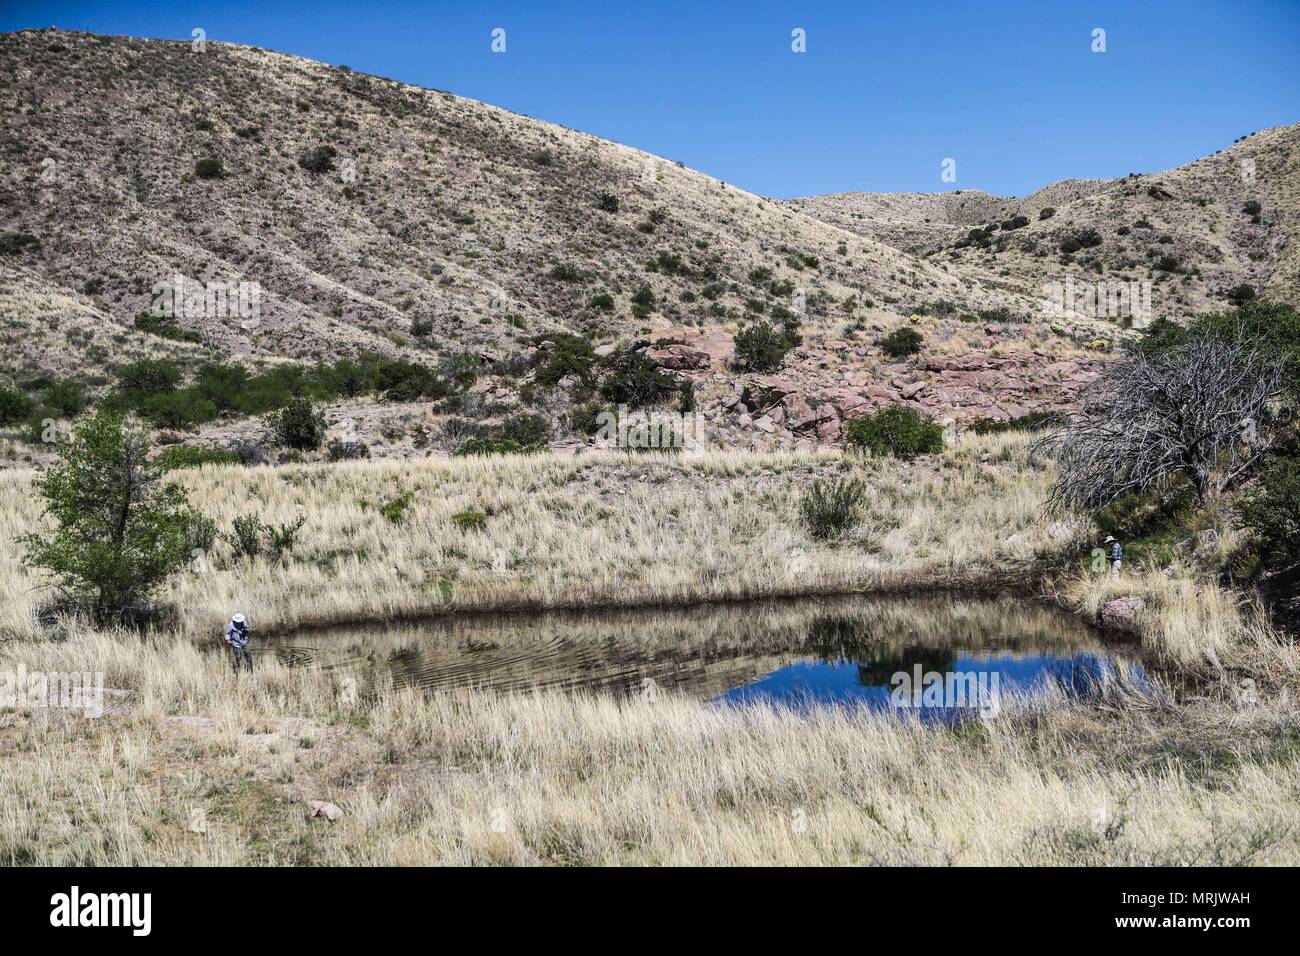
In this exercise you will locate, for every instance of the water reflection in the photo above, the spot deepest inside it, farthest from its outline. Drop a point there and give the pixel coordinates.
(844, 650)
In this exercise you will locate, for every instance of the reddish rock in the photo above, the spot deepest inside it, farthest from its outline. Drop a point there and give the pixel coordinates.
(679, 357)
(763, 391)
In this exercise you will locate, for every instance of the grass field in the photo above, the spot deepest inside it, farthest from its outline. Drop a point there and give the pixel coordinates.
(191, 765)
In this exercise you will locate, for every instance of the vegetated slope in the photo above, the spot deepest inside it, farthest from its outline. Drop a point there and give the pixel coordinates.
(926, 222)
(374, 215)
(1197, 232)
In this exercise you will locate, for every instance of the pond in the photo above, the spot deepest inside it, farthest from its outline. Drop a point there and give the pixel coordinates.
(943, 656)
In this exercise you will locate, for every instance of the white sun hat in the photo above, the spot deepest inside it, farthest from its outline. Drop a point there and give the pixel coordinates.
(238, 619)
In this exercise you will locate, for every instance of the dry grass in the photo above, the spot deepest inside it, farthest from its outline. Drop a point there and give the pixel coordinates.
(1143, 776)
(466, 777)
(601, 529)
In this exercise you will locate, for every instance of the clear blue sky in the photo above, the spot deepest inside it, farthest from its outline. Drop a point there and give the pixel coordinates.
(1011, 90)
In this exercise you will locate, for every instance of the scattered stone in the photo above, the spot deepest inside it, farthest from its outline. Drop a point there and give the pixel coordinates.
(323, 808)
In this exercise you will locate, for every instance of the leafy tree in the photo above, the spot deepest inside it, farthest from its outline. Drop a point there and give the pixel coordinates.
(119, 532)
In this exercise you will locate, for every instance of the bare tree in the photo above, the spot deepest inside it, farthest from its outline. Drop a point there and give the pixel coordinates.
(1203, 410)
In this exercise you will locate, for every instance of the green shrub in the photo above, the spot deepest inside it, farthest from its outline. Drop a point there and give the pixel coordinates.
(394, 509)
(902, 342)
(1047, 212)
(299, 425)
(1241, 294)
(564, 272)
(318, 159)
(525, 429)
(896, 430)
(12, 243)
(14, 406)
(209, 169)
(181, 409)
(347, 451)
(760, 347)
(469, 520)
(1032, 422)
(190, 456)
(828, 509)
(570, 356)
(633, 379)
(489, 446)
(283, 538)
(245, 536)
(1271, 514)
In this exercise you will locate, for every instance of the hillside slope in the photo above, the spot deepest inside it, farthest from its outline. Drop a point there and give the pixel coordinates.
(1196, 232)
(479, 226)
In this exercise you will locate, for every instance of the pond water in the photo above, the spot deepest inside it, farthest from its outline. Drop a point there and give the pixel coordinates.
(942, 656)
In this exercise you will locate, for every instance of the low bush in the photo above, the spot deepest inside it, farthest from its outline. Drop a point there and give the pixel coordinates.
(469, 520)
(760, 347)
(896, 431)
(830, 508)
(902, 342)
(209, 168)
(299, 425)
(190, 456)
(318, 159)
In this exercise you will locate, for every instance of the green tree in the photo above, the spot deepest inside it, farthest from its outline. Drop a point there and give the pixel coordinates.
(119, 532)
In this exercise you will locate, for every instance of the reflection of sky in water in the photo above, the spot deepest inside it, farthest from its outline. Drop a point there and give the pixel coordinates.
(867, 683)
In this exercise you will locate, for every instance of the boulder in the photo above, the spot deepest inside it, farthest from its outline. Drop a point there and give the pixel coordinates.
(763, 391)
(323, 808)
(679, 357)
(1121, 614)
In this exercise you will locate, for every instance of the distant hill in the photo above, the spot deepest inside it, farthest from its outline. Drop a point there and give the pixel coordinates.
(1197, 232)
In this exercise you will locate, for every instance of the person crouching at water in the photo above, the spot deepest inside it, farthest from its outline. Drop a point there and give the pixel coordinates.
(1116, 555)
(237, 635)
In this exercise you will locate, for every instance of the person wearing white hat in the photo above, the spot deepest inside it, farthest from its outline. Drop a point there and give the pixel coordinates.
(237, 637)
(1116, 555)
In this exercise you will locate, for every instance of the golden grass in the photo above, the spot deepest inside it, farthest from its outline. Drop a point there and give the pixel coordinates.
(472, 778)
(1206, 775)
(601, 529)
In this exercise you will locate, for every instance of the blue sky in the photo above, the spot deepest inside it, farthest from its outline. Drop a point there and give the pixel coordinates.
(885, 92)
